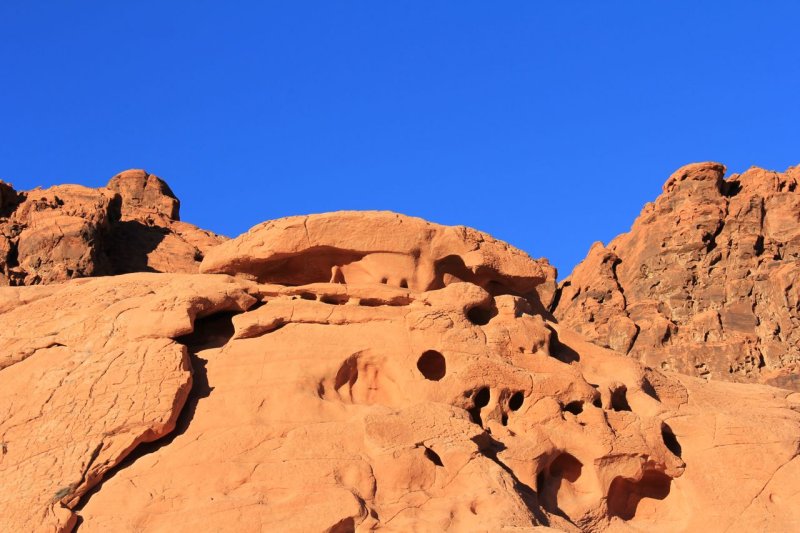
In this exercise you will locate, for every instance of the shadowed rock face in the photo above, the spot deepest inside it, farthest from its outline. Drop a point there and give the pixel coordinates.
(70, 231)
(364, 371)
(704, 283)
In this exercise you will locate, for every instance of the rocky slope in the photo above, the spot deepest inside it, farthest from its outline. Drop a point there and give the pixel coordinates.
(70, 231)
(704, 283)
(357, 371)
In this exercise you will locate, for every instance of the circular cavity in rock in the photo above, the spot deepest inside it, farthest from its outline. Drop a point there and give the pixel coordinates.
(432, 365)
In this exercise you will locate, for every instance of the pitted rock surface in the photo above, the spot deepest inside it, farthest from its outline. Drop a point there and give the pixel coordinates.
(384, 379)
(704, 283)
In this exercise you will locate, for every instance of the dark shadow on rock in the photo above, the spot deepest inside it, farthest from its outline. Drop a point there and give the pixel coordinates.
(561, 351)
(624, 495)
(129, 243)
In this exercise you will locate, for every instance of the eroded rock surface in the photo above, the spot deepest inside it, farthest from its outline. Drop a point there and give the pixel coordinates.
(71, 231)
(401, 376)
(704, 283)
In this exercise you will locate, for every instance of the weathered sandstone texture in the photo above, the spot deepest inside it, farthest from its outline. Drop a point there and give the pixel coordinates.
(70, 231)
(365, 371)
(704, 283)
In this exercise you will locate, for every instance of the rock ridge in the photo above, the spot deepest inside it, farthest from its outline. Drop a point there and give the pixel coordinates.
(703, 284)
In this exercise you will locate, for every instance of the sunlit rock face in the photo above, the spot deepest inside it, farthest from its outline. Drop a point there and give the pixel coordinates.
(364, 371)
(70, 231)
(704, 283)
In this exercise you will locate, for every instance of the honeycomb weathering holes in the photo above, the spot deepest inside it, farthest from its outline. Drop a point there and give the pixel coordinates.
(480, 316)
(515, 402)
(479, 401)
(432, 365)
(575, 407)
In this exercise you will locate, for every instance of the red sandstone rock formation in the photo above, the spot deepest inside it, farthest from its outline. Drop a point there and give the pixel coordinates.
(704, 283)
(364, 371)
(352, 372)
(70, 231)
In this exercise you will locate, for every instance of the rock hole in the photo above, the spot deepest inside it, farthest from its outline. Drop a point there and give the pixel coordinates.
(404, 283)
(564, 469)
(624, 494)
(504, 419)
(432, 365)
(433, 457)
(670, 440)
(731, 188)
(480, 316)
(384, 280)
(482, 397)
(566, 466)
(515, 402)
(212, 331)
(334, 299)
(479, 401)
(307, 296)
(575, 407)
(619, 399)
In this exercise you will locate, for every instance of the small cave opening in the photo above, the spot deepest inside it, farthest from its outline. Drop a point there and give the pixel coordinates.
(619, 399)
(432, 365)
(332, 299)
(624, 494)
(433, 457)
(565, 468)
(212, 331)
(481, 315)
(404, 283)
(479, 401)
(670, 440)
(307, 296)
(516, 400)
(575, 407)
(731, 188)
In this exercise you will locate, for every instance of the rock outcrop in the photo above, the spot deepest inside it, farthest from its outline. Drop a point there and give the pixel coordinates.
(365, 371)
(70, 231)
(704, 283)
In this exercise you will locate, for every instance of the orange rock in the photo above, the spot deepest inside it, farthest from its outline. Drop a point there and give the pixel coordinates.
(703, 284)
(363, 371)
(70, 231)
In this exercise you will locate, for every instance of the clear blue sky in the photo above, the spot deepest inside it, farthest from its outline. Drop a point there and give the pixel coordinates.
(548, 126)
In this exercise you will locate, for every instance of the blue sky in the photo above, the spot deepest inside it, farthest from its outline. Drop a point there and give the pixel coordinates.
(548, 125)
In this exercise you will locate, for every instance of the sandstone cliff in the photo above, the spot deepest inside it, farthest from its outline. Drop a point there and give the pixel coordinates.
(350, 371)
(70, 231)
(704, 283)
